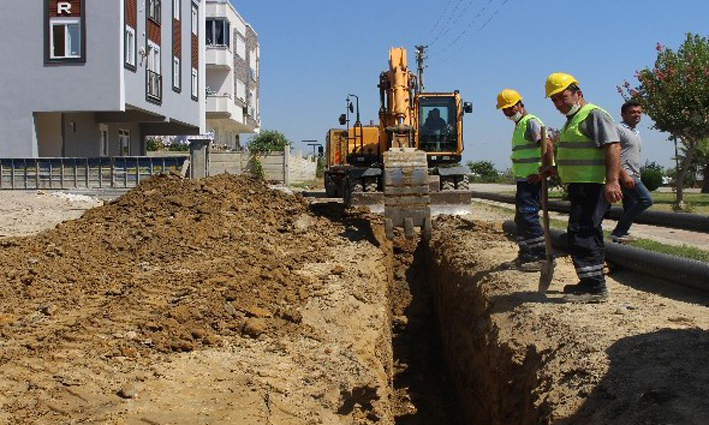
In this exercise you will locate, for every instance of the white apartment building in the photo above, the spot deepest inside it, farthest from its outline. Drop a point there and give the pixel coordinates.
(90, 78)
(233, 89)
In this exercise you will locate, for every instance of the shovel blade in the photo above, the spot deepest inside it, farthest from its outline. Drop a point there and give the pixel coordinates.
(547, 274)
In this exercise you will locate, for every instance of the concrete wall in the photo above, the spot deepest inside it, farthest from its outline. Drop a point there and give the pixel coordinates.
(275, 166)
(49, 133)
(302, 168)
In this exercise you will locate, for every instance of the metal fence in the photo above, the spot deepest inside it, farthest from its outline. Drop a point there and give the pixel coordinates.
(89, 173)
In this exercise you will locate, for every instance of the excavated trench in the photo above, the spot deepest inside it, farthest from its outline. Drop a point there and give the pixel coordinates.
(448, 368)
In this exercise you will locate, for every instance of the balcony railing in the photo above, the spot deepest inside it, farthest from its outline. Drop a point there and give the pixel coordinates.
(154, 85)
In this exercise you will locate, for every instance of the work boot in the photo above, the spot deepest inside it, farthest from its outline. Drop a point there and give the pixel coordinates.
(531, 266)
(576, 289)
(622, 238)
(585, 295)
(524, 266)
(510, 265)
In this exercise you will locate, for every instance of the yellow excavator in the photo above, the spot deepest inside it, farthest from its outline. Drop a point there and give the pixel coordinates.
(413, 169)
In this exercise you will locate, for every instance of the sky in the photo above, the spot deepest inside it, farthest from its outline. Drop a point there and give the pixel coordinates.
(315, 52)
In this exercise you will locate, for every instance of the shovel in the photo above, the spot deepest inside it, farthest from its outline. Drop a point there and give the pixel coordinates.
(547, 272)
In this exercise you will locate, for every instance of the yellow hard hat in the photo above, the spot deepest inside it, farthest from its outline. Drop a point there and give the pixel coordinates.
(558, 82)
(507, 98)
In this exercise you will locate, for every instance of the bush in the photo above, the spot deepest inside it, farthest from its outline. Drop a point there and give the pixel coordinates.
(483, 172)
(320, 167)
(651, 178)
(152, 145)
(257, 171)
(268, 141)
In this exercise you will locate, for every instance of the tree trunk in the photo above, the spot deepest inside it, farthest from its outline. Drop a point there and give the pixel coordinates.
(691, 146)
(705, 181)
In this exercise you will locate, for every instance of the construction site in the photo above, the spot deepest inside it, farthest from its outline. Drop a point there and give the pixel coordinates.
(224, 301)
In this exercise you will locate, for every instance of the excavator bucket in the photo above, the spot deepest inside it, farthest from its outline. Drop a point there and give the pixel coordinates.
(407, 202)
(451, 202)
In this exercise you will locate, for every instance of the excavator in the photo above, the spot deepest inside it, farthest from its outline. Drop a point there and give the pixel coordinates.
(411, 164)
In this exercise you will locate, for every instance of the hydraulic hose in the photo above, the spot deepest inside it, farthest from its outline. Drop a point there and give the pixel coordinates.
(671, 268)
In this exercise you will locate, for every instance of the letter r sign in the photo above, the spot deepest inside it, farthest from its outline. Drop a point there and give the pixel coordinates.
(63, 8)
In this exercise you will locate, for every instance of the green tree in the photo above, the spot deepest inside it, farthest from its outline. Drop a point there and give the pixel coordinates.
(483, 171)
(675, 94)
(268, 141)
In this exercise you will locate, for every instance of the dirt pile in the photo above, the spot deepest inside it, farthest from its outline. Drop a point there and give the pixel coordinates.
(239, 237)
(103, 303)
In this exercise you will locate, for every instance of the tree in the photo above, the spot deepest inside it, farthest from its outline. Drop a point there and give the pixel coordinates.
(268, 141)
(675, 94)
(699, 163)
(483, 171)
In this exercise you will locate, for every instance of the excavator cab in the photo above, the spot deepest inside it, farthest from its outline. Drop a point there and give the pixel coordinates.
(438, 124)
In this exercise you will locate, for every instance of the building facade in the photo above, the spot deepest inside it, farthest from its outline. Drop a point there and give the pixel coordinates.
(233, 75)
(100, 75)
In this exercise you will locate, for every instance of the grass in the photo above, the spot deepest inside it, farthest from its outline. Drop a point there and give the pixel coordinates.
(683, 251)
(309, 184)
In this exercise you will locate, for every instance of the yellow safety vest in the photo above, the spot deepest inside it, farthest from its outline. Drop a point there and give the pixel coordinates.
(526, 156)
(579, 159)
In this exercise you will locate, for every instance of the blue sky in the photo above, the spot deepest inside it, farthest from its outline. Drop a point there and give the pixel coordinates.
(315, 52)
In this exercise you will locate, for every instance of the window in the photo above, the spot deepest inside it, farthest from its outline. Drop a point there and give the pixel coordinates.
(130, 46)
(65, 38)
(154, 10)
(176, 74)
(176, 12)
(217, 32)
(124, 141)
(154, 78)
(252, 64)
(240, 46)
(194, 84)
(195, 22)
(240, 90)
(104, 139)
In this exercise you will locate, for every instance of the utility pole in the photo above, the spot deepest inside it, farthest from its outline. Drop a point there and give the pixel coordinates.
(420, 57)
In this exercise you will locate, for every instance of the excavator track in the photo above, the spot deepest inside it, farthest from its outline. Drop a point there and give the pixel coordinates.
(407, 202)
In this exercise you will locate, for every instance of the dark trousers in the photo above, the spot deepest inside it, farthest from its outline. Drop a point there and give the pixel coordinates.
(530, 235)
(588, 206)
(635, 201)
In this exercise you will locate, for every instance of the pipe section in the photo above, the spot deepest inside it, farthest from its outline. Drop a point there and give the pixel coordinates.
(681, 271)
(694, 222)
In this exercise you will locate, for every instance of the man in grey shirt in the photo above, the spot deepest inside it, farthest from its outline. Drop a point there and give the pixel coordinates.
(636, 197)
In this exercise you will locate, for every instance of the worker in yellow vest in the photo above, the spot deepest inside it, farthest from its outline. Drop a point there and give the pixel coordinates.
(588, 161)
(526, 159)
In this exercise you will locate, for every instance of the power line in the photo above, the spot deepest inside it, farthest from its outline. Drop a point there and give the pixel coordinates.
(440, 18)
(457, 19)
(504, 2)
(455, 8)
(466, 29)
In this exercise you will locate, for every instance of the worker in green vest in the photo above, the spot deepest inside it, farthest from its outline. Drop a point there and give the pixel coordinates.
(526, 159)
(588, 161)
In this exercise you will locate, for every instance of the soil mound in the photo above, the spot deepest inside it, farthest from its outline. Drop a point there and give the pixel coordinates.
(189, 261)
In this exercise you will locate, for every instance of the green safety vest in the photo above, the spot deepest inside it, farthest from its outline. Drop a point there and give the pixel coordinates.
(526, 156)
(579, 159)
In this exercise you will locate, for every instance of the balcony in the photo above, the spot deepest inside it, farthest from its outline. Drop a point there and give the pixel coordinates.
(153, 86)
(219, 57)
(222, 106)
